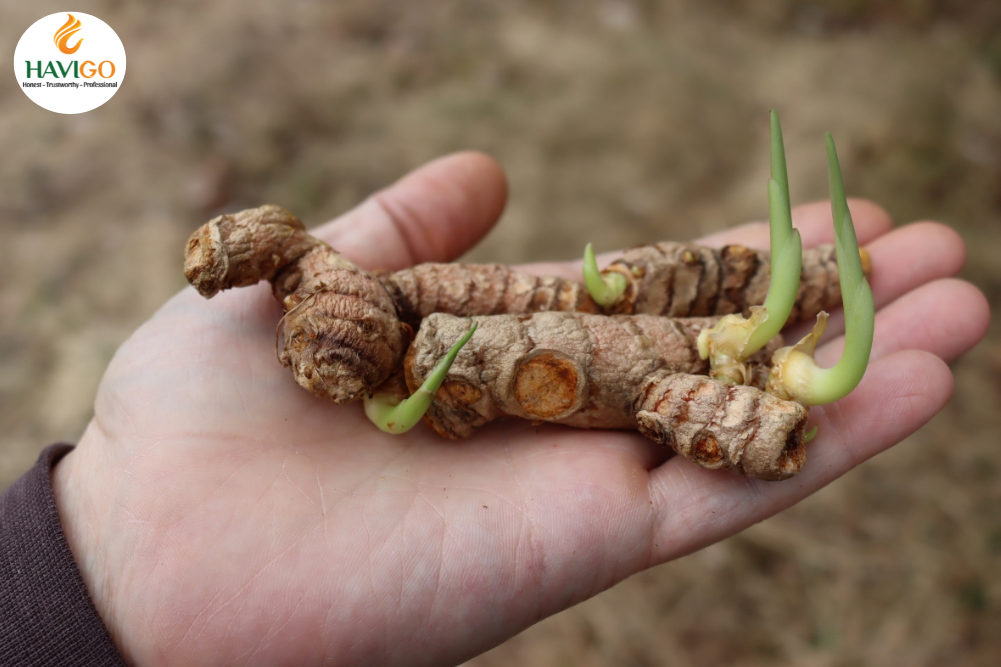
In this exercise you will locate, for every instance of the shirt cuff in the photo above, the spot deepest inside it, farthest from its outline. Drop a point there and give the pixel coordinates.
(46, 614)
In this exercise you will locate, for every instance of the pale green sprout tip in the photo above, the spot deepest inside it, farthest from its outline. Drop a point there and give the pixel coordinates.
(394, 416)
(794, 371)
(735, 338)
(606, 288)
(778, 153)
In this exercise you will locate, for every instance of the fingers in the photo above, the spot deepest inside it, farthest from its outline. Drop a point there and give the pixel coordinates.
(815, 224)
(945, 317)
(696, 507)
(902, 260)
(432, 214)
(913, 255)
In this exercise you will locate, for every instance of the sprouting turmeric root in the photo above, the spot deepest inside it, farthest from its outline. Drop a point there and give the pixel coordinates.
(623, 372)
(689, 280)
(345, 331)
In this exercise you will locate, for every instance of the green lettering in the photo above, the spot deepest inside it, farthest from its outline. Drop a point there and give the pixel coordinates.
(65, 70)
(48, 69)
(37, 69)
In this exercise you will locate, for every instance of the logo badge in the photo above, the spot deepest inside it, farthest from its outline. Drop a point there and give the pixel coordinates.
(69, 62)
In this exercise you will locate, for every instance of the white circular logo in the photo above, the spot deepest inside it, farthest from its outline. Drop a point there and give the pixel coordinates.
(69, 62)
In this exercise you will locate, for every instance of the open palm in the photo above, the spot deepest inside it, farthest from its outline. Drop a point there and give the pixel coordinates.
(222, 515)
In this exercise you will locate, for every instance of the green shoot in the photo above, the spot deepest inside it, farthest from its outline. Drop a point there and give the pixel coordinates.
(786, 246)
(795, 374)
(729, 344)
(606, 288)
(778, 154)
(395, 416)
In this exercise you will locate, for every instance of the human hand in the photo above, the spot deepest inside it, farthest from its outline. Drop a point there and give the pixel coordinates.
(221, 514)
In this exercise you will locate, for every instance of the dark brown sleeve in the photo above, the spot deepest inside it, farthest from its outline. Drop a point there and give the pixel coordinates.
(46, 615)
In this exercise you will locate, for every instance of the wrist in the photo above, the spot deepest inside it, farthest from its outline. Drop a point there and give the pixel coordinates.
(78, 509)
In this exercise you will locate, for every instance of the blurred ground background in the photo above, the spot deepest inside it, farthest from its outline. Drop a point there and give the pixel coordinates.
(620, 122)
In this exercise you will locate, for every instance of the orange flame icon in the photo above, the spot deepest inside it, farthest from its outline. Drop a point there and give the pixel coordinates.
(70, 28)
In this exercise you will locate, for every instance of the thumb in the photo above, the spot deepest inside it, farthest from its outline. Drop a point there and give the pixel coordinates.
(432, 214)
